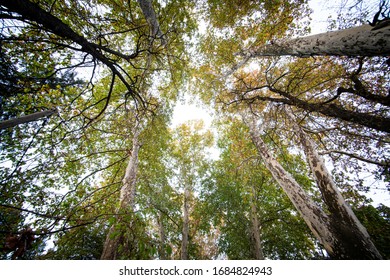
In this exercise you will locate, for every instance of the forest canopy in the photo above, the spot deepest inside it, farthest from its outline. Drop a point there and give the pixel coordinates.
(92, 166)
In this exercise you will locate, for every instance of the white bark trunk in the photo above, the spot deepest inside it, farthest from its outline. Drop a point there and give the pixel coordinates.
(162, 252)
(356, 242)
(128, 190)
(315, 218)
(356, 41)
(258, 251)
(151, 18)
(127, 200)
(186, 221)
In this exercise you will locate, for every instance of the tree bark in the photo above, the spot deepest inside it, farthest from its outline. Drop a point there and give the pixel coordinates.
(186, 223)
(127, 201)
(28, 118)
(351, 233)
(357, 41)
(258, 251)
(151, 18)
(320, 224)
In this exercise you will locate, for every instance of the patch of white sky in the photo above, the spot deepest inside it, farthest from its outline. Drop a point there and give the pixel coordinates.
(190, 107)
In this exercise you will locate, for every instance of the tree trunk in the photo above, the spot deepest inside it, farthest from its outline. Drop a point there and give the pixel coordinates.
(320, 224)
(357, 41)
(186, 222)
(332, 110)
(127, 201)
(25, 119)
(258, 251)
(161, 248)
(356, 241)
(151, 18)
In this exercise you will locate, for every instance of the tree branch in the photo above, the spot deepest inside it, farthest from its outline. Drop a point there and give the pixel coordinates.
(33, 12)
(380, 163)
(333, 110)
(28, 118)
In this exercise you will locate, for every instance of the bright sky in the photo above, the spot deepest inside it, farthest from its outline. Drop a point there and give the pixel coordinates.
(187, 110)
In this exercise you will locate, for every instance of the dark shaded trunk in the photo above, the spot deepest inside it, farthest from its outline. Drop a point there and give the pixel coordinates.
(330, 110)
(28, 118)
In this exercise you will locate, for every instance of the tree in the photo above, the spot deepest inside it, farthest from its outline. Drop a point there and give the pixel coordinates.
(295, 83)
(32, 12)
(322, 225)
(241, 190)
(95, 36)
(188, 151)
(127, 197)
(60, 38)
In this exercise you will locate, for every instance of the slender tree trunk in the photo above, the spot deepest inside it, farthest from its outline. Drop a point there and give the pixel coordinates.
(357, 41)
(320, 224)
(354, 236)
(162, 252)
(126, 204)
(186, 223)
(258, 251)
(25, 119)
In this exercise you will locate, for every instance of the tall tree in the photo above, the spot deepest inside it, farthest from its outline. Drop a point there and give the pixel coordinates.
(190, 142)
(127, 199)
(342, 215)
(321, 224)
(241, 190)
